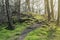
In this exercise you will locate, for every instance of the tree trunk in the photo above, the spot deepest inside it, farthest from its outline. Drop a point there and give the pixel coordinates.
(52, 9)
(32, 5)
(58, 13)
(45, 6)
(10, 24)
(28, 5)
(48, 10)
(19, 1)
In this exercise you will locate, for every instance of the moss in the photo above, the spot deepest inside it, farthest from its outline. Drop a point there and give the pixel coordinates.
(45, 33)
(8, 35)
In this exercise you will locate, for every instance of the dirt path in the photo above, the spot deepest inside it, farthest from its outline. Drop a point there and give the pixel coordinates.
(29, 29)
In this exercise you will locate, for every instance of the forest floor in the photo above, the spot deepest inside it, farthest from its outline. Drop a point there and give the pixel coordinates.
(45, 32)
(35, 28)
(29, 29)
(11, 34)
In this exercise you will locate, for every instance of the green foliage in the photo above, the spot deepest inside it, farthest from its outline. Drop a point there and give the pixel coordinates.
(11, 35)
(35, 17)
(45, 32)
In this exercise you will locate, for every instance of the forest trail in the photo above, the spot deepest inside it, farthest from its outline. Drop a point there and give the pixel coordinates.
(29, 29)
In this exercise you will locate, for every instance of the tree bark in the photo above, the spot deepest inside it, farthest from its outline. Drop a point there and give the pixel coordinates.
(48, 10)
(52, 9)
(10, 24)
(32, 5)
(58, 13)
(45, 6)
(19, 1)
(28, 5)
